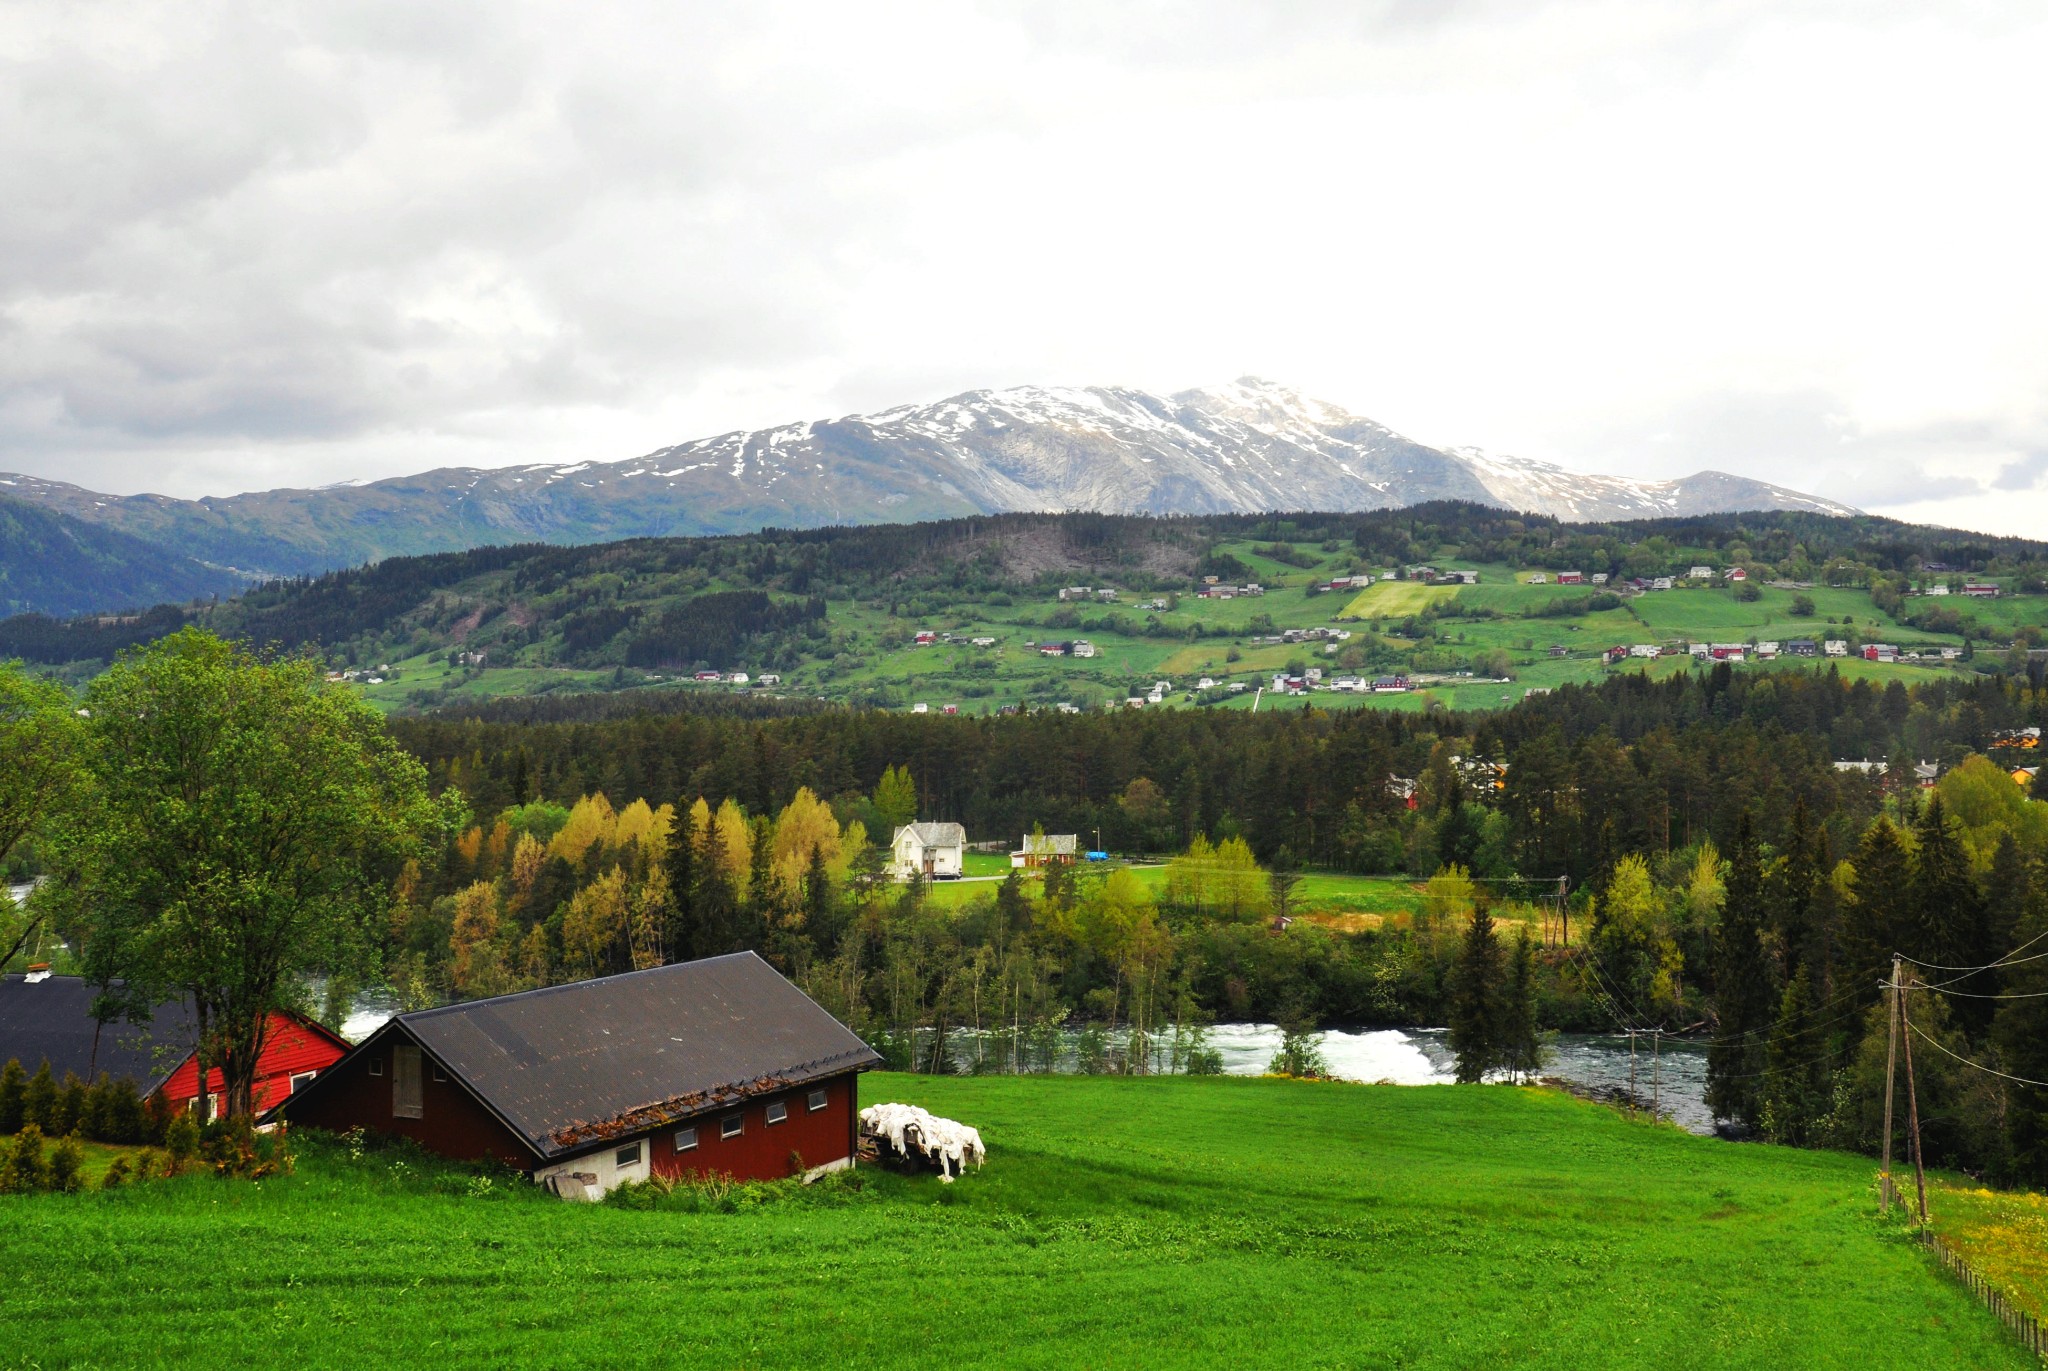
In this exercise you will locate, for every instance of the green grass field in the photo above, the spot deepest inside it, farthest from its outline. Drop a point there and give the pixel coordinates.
(1119, 1222)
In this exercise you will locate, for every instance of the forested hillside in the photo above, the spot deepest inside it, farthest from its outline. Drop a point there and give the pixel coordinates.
(52, 564)
(1457, 600)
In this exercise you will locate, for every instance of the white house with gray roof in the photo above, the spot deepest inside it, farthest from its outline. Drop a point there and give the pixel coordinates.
(933, 851)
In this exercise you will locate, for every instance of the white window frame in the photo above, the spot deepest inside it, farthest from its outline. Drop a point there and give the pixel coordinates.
(299, 1079)
(686, 1139)
(732, 1126)
(777, 1112)
(817, 1100)
(621, 1162)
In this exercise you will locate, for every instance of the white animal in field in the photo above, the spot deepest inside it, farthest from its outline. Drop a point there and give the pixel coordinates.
(912, 1132)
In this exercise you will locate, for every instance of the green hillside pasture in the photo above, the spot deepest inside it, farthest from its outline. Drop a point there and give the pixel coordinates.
(2001, 616)
(1395, 599)
(1717, 615)
(1119, 1222)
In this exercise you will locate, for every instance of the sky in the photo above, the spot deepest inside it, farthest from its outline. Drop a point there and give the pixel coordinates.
(264, 244)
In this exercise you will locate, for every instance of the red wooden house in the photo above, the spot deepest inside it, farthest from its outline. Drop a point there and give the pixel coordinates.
(295, 1051)
(50, 1018)
(715, 1066)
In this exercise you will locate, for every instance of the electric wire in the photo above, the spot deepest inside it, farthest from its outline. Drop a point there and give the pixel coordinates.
(1988, 1070)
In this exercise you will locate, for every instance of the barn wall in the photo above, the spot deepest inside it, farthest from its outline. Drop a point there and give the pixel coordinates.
(451, 1120)
(290, 1047)
(762, 1153)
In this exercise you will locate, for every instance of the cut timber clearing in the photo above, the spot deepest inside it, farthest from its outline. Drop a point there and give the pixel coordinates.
(1118, 1222)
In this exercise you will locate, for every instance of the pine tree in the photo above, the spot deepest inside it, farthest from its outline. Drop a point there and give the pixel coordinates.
(13, 1089)
(1795, 1087)
(1520, 1051)
(682, 938)
(1947, 927)
(1477, 986)
(39, 1100)
(72, 1099)
(2020, 1034)
(1789, 892)
(1877, 921)
(1742, 991)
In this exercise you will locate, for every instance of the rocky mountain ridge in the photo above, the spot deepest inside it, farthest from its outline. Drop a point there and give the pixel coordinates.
(1245, 446)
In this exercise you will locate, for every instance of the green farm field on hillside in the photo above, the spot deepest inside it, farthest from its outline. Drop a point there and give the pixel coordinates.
(1119, 1222)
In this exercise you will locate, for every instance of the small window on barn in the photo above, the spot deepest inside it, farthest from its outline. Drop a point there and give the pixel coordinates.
(301, 1080)
(816, 1101)
(732, 1125)
(777, 1112)
(686, 1140)
(627, 1156)
(376, 1066)
(439, 1074)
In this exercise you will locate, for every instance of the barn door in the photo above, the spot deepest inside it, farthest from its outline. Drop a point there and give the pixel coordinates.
(405, 1083)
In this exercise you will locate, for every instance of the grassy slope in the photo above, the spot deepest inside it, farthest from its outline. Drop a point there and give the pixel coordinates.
(1121, 1222)
(1011, 672)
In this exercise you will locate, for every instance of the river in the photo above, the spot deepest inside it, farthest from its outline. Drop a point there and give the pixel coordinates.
(1675, 1077)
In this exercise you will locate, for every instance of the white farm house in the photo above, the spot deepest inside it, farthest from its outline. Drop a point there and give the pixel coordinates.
(928, 850)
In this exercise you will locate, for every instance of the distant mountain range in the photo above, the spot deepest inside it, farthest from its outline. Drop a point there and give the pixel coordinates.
(1248, 446)
(51, 563)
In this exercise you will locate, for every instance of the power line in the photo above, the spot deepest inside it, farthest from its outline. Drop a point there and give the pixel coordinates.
(2011, 958)
(1988, 1070)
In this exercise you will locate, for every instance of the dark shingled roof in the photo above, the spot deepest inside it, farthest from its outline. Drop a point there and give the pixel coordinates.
(52, 1019)
(573, 1064)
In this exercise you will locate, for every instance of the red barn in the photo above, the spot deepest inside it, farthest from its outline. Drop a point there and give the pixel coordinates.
(716, 1066)
(50, 1018)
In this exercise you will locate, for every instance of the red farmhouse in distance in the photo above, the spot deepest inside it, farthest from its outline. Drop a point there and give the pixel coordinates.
(714, 1066)
(295, 1051)
(45, 1018)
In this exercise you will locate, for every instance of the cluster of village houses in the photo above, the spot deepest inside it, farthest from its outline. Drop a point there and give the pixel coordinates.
(1768, 650)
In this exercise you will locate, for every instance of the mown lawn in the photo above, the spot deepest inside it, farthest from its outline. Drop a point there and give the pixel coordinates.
(1160, 1222)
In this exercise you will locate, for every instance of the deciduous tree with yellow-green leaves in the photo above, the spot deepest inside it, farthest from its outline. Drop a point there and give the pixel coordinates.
(238, 828)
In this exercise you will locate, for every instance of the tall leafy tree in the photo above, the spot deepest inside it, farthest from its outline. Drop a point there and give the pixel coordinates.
(240, 832)
(1743, 993)
(39, 772)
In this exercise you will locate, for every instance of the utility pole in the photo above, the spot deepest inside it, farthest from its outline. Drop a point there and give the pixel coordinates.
(1891, 1057)
(1631, 1073)
(1913, 1111)
(1656, 1074)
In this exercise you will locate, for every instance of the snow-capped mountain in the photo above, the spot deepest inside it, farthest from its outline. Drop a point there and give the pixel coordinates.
(1246, 446)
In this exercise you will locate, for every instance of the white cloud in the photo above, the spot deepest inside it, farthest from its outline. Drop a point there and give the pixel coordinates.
(263, 244)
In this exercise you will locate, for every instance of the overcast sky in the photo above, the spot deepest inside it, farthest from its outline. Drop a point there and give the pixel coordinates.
(267, 244)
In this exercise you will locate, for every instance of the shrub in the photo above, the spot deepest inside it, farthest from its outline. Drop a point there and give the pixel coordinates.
(118, 1174)
(149, 1164)
(25, 1170)
(13, 1087)
(39, 1100)
(65, 1161)
(181, 1141)
(72, 1101)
